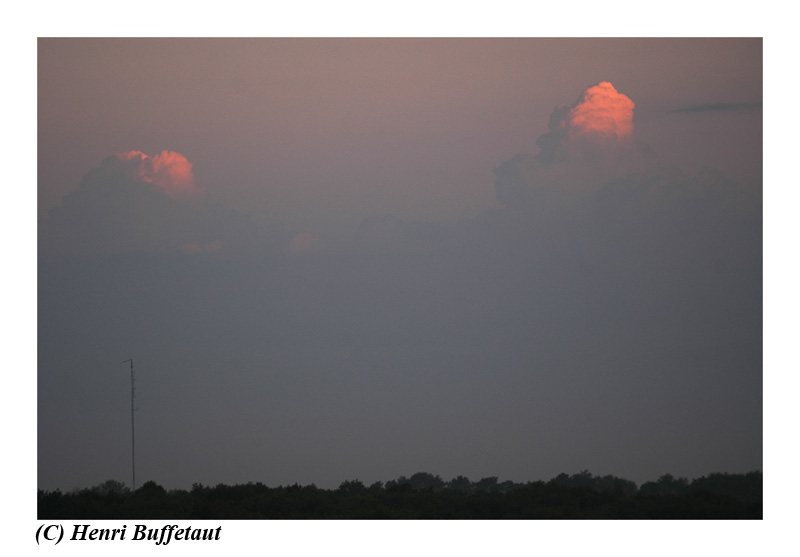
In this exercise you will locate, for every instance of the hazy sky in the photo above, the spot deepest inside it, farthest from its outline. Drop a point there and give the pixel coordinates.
(363, 258)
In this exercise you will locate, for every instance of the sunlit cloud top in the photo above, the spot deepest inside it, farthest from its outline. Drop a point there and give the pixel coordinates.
(601, 113)
(168, 170)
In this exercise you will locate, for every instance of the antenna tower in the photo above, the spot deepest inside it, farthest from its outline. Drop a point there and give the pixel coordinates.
(133, 445)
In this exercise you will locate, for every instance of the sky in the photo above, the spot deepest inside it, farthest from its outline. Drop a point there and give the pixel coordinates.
(337, 259)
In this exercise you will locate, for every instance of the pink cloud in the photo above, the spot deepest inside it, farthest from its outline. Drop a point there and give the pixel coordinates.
(601, 113)
(303, 242)
(168, 170)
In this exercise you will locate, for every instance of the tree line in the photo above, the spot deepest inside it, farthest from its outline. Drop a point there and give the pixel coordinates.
(423, 496)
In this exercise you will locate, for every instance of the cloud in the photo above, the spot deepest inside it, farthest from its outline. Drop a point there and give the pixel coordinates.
(168, 170)
(134, 203)
(718, 107)
(594, 188)
(587, 143)
(303, 242)
(601, 114)
(601, 119)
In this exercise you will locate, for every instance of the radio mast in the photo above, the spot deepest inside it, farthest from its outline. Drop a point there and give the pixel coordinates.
(133, 445)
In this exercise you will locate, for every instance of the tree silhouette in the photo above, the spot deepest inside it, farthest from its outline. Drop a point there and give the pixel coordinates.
(424, 496)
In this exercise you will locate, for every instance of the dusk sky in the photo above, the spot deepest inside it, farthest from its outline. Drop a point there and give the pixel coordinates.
(337, 259)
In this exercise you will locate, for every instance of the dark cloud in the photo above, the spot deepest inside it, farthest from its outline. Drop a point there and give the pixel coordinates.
(133, 203)
(621, 334)
(587, 143)
(718, 107)
(171, 172)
